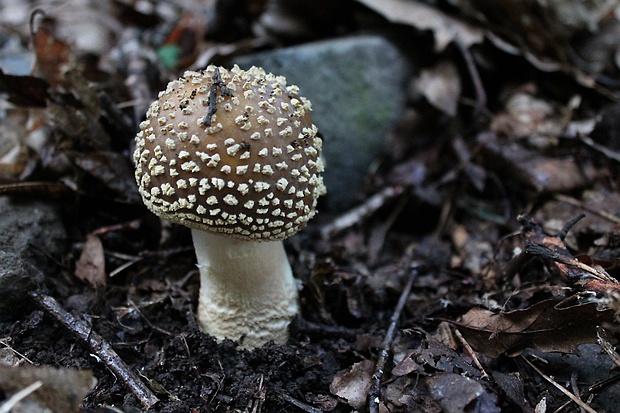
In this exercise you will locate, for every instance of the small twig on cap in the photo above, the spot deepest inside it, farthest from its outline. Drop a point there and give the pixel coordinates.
(95, 343)
(217, 83)
(374, 396)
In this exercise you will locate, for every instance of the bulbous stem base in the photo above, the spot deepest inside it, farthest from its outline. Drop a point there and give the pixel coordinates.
(247, 289)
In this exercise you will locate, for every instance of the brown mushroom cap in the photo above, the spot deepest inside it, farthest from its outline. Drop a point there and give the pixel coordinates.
(247, 166)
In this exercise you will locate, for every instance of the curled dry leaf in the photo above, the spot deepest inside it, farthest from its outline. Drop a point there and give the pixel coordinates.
(406, 365)
(22, 136)
(54, 56)
(441, 86)
(599, 224)
(28, 91)
(91, 265)
(546, 326)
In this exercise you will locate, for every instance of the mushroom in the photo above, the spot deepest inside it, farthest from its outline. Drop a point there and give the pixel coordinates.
(234, 156)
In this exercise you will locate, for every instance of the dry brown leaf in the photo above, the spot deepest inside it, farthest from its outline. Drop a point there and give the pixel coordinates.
(54, 56)
(423, 17)
(458, 394)
(354, 383)
(112, 169)
(546, 326)
(441, 86)
(402, 394)
(526, 115)
(406, 365)
(91, 265)
(531, 170)
(21, 138)
(74, 107)
(27, 91)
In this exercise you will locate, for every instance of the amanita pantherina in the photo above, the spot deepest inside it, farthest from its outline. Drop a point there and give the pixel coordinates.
(234, 156)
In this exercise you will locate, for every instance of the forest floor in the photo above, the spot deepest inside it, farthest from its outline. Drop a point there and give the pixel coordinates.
(477, 271)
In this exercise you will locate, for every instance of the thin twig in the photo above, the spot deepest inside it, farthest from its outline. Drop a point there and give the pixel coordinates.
(471, 352)
(137, 310)
(301, 405)
(560, 388)
(577, 203)
(596, 387)
(601, 337)
(611, 154)
(374, 396)
(53, 189)
(133, 225)
(569, 225)
(378, 235)
(95, 343)
(481, 96)
(543, 251)
(4, 342)
(361, 212)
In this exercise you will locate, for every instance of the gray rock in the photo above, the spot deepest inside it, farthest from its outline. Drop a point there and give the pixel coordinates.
(17, 278)
(32, 235)
(32, 229)
(357, 86)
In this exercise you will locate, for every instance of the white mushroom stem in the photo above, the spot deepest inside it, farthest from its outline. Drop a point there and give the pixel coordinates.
(247, 290)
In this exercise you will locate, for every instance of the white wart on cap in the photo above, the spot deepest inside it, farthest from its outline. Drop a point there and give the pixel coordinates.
(231, 152)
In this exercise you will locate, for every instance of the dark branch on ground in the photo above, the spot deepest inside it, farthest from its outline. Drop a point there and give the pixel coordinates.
(374, 396)
(101, 348)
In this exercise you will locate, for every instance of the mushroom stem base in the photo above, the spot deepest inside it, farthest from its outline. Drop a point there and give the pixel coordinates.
(247, 289)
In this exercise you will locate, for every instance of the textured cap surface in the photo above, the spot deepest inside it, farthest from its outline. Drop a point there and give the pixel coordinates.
(231, 152)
